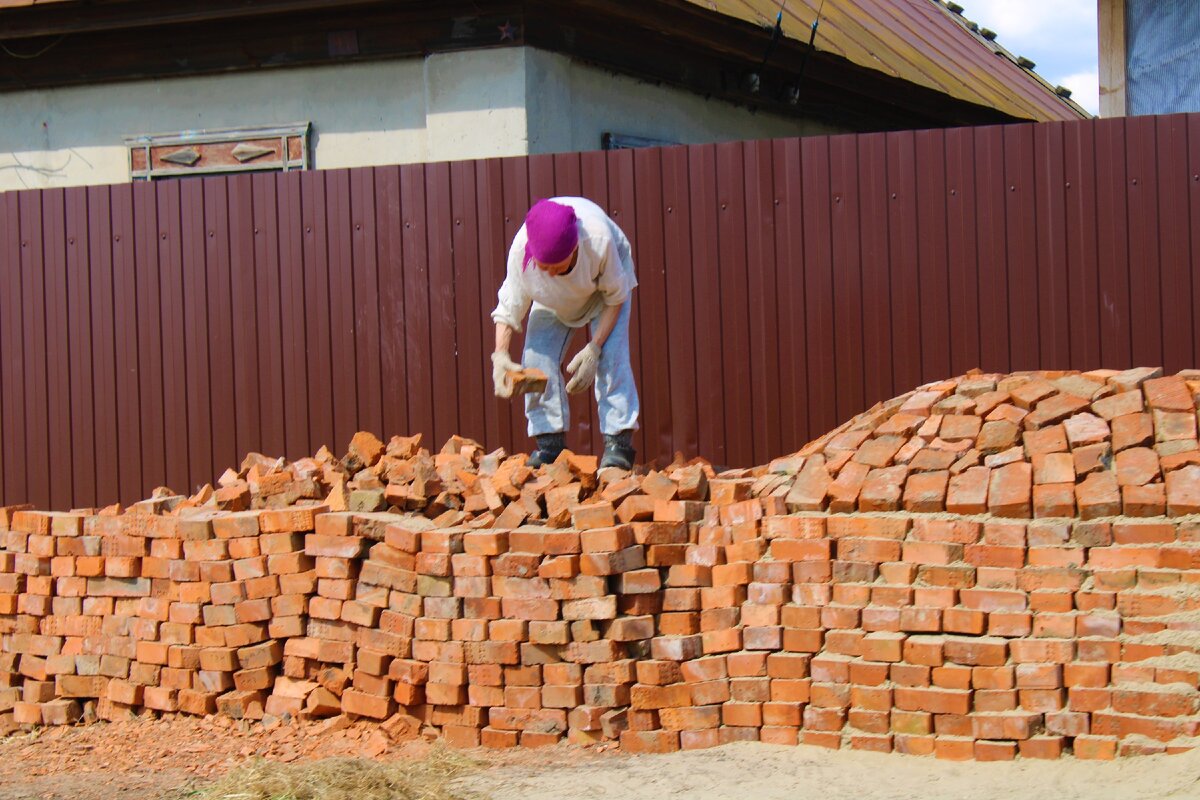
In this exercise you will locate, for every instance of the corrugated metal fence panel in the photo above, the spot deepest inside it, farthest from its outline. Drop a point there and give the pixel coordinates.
(153, 334)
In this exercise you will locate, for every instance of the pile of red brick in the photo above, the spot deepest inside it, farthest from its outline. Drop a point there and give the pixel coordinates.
(1096, 444)
(797, 602)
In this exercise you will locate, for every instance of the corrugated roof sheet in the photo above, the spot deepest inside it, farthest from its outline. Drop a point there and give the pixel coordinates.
(920, 41)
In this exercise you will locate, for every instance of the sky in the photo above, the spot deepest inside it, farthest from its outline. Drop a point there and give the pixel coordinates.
(1058, 35)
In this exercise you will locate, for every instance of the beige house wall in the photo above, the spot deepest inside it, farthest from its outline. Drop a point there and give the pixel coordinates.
(572, 104)
(447, 106)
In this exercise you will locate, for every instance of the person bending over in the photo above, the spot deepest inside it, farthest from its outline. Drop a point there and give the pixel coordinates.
(570, 266)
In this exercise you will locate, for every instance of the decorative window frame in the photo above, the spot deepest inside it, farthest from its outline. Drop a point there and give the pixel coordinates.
(218, 151)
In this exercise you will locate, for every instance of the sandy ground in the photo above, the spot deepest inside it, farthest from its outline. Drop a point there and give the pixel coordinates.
(163, 760)
(751, 771)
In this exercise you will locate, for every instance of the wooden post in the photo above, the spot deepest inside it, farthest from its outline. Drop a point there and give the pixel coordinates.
(1112, 58)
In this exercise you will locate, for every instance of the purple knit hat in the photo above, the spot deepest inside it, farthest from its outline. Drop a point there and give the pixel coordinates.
(551, 231)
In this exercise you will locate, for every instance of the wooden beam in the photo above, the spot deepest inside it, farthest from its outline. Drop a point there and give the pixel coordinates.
(287, 40)
(1112, 58)
(59, 20)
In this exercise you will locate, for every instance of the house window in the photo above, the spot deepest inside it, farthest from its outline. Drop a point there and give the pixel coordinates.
(621, 141)
(218, 151)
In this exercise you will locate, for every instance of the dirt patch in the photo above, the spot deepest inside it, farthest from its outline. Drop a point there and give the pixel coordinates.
(183, 757)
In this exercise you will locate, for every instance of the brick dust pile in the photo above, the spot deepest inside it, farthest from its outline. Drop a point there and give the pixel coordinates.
(986, 567)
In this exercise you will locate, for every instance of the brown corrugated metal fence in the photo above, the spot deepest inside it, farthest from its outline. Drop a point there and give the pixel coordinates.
(151, 334)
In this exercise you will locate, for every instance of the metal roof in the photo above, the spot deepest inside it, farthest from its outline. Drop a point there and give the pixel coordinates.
(920, 41)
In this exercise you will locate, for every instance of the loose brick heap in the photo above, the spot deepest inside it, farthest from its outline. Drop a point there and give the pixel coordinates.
(1028, 445)
(826, 598)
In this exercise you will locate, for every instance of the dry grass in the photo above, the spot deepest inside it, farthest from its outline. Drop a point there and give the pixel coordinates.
(343, 779)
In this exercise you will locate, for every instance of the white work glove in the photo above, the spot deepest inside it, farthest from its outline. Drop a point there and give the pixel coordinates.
(583, 368)
(502, 363)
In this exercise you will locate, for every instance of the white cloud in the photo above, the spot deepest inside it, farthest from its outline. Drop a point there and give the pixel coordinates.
(1050, 23)
(1058, 35)
(1085, 89)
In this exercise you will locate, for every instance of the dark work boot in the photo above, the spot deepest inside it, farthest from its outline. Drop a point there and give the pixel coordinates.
(549, 445)
(618, 450)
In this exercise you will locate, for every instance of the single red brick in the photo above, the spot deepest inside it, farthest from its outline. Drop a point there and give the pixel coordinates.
(927, 552)
(982, 651)
(1183, 491)
(691, 718)
(1042, 747)
(1009, 490)
(968, 491)
(964, 620)
(1054, 409)
(1103, 748)
(933, 700)
(879, 451)
(1144, 501)
(1098, 495)
(1054, 500)
(994, 600)
(994, 556)
(1047, 440)
(1136, 466)
(995, 751)
(811, 487)
(954, 748)
(926, 491)
(868, 550)
(1169, 393)
(649, 741)
(1001, 623)
(881, 490)
(883, 646)
(1116, 405)
(844, 491)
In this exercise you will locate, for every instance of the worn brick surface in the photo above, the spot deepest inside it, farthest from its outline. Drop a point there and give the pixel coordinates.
(986, 567)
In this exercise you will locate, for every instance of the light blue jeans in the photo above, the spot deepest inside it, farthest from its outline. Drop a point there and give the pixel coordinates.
(546, 341)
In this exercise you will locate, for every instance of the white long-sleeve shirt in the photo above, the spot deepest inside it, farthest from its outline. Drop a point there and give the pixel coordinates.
(603, 274)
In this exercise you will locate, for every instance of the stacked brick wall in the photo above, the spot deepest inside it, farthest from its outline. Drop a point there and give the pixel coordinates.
(846, 596)
(962, 637)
